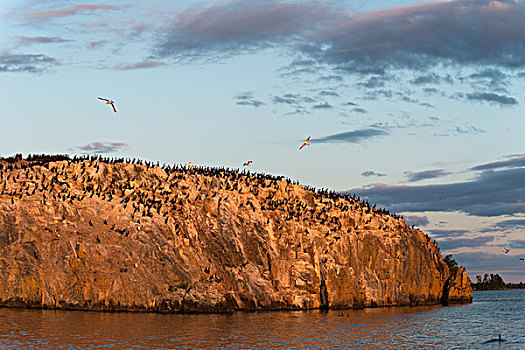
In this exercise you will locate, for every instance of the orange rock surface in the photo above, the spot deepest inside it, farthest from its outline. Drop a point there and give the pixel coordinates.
(119, 236)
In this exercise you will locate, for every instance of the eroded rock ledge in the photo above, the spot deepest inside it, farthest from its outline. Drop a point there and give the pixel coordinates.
(119, 236)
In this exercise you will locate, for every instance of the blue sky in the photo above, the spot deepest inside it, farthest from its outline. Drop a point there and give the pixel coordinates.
(417, 106)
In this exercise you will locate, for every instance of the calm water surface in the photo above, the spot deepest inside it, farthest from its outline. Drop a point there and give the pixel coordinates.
(455, 327)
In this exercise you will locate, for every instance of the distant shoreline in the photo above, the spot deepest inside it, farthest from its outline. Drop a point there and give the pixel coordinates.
(509, 286)
(486, 290)
(494, 282)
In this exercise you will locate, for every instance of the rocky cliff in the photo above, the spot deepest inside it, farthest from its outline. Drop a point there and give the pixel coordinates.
(87, 234)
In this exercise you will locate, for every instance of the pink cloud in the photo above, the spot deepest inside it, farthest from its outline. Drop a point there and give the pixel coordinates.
(138, 29)
(27, 40)
(98, 43)
(101, 147)
(49, 14)
(417, 36)
(139, 65)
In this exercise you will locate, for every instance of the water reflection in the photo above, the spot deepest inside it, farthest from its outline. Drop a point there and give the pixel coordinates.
(465, 326)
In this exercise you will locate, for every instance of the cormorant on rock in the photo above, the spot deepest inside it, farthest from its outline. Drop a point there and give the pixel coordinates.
(496, 340)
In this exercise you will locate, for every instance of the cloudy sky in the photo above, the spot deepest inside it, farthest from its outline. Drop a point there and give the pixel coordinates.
(417, 106)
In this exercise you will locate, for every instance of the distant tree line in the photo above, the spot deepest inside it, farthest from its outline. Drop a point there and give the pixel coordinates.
(42, 158)
(494, 282)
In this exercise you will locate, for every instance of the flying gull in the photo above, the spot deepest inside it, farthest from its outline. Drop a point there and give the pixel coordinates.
(109, 102)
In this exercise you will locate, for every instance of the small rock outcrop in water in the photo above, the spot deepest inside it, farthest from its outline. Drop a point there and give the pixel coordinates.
(86, 234)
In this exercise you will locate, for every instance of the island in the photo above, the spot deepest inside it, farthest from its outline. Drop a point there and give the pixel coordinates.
(94, 233)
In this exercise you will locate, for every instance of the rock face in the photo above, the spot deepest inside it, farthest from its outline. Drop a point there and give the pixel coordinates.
(119, 236)
(457, 288)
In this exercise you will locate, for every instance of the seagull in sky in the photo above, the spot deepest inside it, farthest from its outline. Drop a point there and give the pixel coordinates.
(247, 163)
(109, 102)
(305, 143)
(505, 250)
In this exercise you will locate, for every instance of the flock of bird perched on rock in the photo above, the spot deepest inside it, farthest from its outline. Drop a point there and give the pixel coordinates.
(171, 193)
(58, 181)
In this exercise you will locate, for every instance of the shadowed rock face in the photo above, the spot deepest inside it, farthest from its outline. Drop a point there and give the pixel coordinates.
(99, 236)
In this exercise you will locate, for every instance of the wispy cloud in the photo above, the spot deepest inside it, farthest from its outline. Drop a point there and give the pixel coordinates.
(431, 78)
(491, 78)
(468, 129)
(438, 233)
(247, 99)
(419, 220)
(433, 91)
(101, 147)
(330, 78)
(73, 10)
(513, 223)
(371, 173)
(27, 63)
(389, 94)
(374, 82)
(138, 29)
(517, 243)
(359, 110)
(98, 43)
(292, 99)
(491, 193)
(492, 98)
(355, 136)
(328, 93)
(29, 40)
(427, 174)
(515, 161)
(137, 65)
(324, 105)
(456, 243)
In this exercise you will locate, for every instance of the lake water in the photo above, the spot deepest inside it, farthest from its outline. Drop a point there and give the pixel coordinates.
(454, 327)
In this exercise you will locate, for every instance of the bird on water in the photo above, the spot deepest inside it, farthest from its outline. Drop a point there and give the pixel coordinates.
(496, 340)
(109, 102)
(305, 143)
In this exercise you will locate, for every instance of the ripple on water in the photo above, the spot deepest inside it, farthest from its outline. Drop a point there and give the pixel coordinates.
(455, 327)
